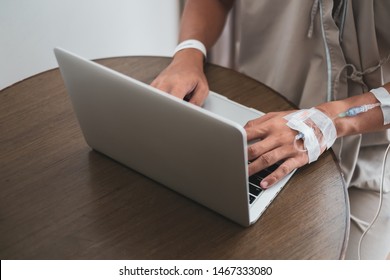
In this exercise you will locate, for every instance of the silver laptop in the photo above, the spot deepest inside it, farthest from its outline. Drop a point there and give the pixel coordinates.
(198, 152)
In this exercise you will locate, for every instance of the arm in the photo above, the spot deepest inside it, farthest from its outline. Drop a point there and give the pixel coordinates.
(277, 142)
(202, 20)
(368, 122)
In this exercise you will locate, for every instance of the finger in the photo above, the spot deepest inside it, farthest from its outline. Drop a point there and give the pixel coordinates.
(163, 86)
(255, 122)
(181, 91)
(271, 140)
(154, 83)
(263, 161)
(261, 147)
(256, 133)
(199, 95)
(273, 156)
(285, 168)
(258, 128)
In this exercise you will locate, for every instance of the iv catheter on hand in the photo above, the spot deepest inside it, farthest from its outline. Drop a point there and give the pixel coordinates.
(351, 112)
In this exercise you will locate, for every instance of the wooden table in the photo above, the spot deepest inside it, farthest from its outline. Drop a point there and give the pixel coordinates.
(61, 200)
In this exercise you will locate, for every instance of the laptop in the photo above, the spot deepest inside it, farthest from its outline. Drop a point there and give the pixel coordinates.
(199, 152)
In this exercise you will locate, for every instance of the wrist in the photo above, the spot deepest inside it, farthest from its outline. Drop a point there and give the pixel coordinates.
(190, 56)
(191, 44)
(356, 124)
(331, 109)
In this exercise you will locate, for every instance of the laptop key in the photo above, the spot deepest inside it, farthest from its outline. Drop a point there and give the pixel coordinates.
(255, 180)
(263, 173)
(254, 190)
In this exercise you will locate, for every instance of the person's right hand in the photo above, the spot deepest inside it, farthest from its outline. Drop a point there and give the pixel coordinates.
(184, 77)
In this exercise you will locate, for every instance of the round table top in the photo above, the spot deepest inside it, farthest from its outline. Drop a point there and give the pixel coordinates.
(62, 200)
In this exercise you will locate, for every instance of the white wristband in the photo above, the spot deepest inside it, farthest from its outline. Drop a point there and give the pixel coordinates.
(383, 97)
(191, 44)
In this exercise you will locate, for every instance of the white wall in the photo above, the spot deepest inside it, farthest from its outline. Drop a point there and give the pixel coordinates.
(29, 29)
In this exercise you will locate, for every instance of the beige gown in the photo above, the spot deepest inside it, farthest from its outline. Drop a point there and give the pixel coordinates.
(316, 51)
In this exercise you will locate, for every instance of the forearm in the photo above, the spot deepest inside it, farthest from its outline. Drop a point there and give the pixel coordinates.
(204, 20)
(366, 122)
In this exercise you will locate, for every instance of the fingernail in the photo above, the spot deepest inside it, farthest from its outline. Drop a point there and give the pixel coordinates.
(264, 184)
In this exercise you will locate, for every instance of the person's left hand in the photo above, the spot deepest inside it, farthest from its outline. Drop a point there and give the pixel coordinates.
(276, 144)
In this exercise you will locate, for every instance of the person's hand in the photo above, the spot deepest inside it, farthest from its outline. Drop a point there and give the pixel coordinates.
(184, 77)
(275, 144)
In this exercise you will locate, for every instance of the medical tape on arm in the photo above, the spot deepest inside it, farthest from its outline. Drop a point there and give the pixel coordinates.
(383, 97)
(316, 128)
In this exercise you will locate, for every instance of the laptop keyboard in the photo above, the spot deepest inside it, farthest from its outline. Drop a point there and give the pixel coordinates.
(255, 179)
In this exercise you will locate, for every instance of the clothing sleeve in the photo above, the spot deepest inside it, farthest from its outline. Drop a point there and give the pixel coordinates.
(383, 97)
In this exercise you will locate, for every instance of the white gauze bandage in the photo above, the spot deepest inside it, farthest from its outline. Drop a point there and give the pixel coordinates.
(315, 128)
(383, 97)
